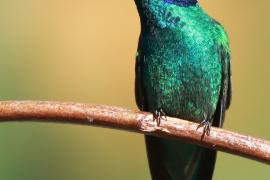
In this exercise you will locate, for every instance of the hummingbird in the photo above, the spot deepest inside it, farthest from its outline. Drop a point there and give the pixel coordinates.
(182, 70)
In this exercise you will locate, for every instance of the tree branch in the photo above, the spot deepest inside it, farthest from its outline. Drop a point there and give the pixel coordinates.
(141, 122)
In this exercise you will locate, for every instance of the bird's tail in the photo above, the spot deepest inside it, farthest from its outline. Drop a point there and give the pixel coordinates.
(175, 160)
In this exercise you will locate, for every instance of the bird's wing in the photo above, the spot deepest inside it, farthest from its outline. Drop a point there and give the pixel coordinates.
(225, 92)
(139, 89)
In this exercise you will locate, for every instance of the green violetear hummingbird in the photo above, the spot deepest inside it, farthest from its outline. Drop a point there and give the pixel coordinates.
(182, 70)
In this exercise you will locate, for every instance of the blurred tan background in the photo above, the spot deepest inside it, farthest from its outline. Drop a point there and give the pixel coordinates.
(84, 51)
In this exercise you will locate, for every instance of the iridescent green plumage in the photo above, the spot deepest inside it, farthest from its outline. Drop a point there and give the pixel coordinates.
(183, 67)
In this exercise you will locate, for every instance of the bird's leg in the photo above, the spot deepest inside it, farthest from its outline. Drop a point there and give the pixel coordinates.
(206, 124)
(159, 115)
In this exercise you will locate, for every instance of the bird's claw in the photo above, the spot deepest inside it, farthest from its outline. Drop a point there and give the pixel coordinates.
(159, 115)
(206, 124)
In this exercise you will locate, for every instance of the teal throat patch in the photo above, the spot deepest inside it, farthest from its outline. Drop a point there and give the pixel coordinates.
(183, 3)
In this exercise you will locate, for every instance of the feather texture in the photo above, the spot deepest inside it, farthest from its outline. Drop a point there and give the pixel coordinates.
(183, 67)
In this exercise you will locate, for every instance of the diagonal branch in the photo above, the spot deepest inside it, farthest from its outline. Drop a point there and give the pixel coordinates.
(141, 122)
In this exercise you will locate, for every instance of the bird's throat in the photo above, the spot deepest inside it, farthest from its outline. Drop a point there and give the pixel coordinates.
(183, 3)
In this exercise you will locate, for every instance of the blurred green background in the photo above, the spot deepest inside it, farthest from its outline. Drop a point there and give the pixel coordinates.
(84, 51)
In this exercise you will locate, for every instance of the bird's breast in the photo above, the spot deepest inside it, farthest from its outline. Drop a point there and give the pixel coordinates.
(181, 80)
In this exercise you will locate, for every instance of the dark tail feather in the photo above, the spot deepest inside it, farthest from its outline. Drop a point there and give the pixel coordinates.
(170, 160)
(155, 159)
(207, 164)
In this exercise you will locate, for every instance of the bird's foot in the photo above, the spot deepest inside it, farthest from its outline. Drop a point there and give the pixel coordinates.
(159, 115)
(206, 124)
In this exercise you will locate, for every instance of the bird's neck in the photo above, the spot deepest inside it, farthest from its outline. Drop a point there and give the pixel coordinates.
(154, 11)
(183, 3)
